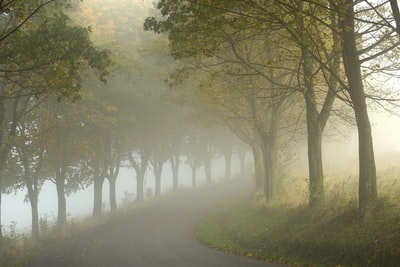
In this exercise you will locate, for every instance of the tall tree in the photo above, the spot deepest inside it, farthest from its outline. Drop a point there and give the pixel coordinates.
(351, 62)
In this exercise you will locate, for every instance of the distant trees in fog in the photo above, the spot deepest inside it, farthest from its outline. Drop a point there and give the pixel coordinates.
(247, 74)
(253, 61)
(62, 122)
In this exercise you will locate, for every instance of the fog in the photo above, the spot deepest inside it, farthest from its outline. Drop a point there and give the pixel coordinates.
(16, 213)
(135, 114)
(340, 158)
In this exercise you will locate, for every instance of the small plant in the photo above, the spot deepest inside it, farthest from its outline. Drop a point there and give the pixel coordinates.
(43, 224)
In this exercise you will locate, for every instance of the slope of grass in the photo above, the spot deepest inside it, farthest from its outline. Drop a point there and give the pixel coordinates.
(334, 234)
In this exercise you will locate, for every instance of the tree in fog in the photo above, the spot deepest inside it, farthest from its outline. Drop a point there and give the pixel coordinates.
(321, 33)
(191, 148)
(101, 124)
(140, 140)
(45, 66)
(14, 16)
(318, 47)
(224, 145)
(168, 133)
(240, 80)
(30, 158)
(369, 44)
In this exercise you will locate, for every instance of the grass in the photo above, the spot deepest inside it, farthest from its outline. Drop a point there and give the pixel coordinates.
(19, 248)
(287, 231)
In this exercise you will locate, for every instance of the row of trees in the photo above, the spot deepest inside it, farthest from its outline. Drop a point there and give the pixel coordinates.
(259, 64)
(64, 123)
(44, 58)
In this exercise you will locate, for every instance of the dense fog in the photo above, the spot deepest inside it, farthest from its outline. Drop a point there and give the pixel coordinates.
(108, 103)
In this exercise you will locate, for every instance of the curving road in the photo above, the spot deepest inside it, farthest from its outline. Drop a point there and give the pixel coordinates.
(158, 236)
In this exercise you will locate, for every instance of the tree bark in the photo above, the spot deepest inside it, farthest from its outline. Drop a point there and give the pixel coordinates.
(62, 203)
(97, 195)
(35, 217)
(367, 170)
(268, 171)
(1, 226)
(2, 158)
(242, 159)
(140, 169)
(139, 186)
(174, 160)
(314, 134)
(258, 170)
(157, 173)
(113, 198)
(316, 174)
(194, 176)
(207, 168)
(228, 163)
(396, 14)
(33, 200)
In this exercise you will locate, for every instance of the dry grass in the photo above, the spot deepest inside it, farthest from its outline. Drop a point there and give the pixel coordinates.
(334, 234)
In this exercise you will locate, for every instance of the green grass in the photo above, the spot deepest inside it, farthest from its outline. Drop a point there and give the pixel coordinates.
(334, 234)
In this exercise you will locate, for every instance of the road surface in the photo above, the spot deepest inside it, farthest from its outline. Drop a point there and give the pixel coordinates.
(160, 235)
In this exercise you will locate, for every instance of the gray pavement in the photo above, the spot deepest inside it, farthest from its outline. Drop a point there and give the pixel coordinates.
(160, 235)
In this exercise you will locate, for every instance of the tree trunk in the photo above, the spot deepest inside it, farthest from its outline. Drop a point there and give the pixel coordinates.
(1, 226)
(228, 164)
(194, 176)
(396, 14)
(35, 218)
(174, 160)
(207, 168)
(314, 133)
(139, 187)
(62, 203)
(157, 174)
(314, 139)
(2, 157)
(113, 198)
(33, 200)
(268, 170)
(367, 170)
(242, 159)
(140, 169)
(112, 179)
(316, 175)
(97, 195)
(258, 170)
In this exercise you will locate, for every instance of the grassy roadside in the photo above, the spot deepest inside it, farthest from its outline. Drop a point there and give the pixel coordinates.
(19, 248)
(331, 235)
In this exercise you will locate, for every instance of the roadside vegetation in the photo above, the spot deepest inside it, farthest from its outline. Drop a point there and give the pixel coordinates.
(19, 247)
(333, 234)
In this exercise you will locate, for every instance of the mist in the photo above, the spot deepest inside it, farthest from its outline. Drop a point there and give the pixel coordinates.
(109, 106)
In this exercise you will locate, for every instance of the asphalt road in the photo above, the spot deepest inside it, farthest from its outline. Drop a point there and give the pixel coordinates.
(160, 235)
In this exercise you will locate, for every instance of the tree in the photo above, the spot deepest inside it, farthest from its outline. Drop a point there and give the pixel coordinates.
(351, 62)
(29, 154)
(191, 148)
(218, 22)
